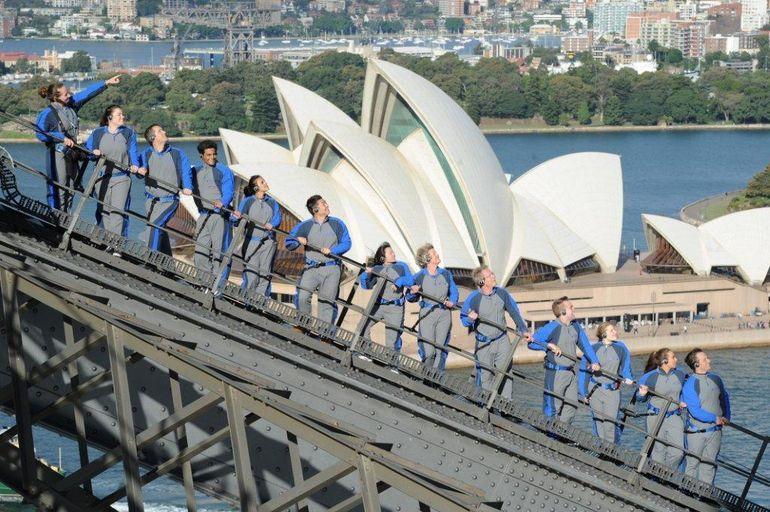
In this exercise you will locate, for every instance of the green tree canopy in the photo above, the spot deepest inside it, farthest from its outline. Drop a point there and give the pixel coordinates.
(79, 63)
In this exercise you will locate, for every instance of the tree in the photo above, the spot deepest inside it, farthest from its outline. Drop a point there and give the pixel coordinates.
(613, 112)
(686, 106)
(550, 112)
(223, 108)
(78, 63)
(163, 117)
(583, 114)
(145, 89)
(148, 7)
(265, 111)
(454, 25)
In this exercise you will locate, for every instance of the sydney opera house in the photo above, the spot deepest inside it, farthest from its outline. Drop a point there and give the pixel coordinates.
(418, 169)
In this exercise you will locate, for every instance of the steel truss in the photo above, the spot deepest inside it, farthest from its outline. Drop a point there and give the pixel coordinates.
(121, 301)
(245, 403)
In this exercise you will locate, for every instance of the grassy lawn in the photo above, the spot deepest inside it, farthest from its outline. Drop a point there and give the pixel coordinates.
(10, 134)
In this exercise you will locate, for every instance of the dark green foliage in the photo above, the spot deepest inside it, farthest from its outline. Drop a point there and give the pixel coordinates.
(80, 62)
(454, 25)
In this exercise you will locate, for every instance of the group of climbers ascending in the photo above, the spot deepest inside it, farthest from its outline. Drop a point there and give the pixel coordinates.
(693, 424)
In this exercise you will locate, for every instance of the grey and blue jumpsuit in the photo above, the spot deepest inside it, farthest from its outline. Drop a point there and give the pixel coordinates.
(493, 347)
(321, 273)
(169, 166)
(435, 319)
(114, 188)
(215, 183)
(390, 308)
(55, 163)
(603, 393)
(707, 399)
(672, 431)
(258, 250)
(561, 372)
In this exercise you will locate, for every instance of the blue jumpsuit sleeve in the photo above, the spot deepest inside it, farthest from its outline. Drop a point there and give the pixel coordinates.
(584, 377)
(454, 295)
(406, 279)
(291, 242)
(343, 243)
(241, 207)
(275, 220)
(91, 142)
(144, 157)
(644, 381)
(228, 186)
(82, 97)
(187, 177)
(46, 122)
(541, 337)
(414, 297)
(625, 365)
(133, 156)
(467, 305)
(694, 409)
(513, 311)
(367, 280)
(585, 346)
(724, 398)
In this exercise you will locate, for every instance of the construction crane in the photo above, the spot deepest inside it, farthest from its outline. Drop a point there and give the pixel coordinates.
(238, 19)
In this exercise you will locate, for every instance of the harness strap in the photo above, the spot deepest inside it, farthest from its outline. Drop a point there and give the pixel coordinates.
(316, 264)
(486, 339)
(553, 366)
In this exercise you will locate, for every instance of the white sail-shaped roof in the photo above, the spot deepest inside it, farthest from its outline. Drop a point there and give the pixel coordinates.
(583, 192)
(470, 165)
(419, 170)
(300, 106)
(738, 240)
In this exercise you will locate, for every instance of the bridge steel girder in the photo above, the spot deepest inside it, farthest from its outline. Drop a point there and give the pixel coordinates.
(436, 440)
(380, 465)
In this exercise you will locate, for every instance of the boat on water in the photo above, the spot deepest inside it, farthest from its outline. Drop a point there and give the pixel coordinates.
(285, 41)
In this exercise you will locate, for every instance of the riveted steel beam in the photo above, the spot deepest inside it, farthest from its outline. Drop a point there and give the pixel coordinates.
(247, 487)
(121, 389)
(308, 487)
(181, 441)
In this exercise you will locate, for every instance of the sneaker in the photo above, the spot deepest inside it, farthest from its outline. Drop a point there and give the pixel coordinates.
(394, 370)
(117, 254)
(363, 357)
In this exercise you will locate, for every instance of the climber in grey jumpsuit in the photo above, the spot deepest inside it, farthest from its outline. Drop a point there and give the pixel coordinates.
(390, 308)
(117, 142)
(165, 169)
(493, 347)
(602, 392)
(214, 183)
(435, 322)
(258, 249)
(708, 405)
(665, 379)
(328, 236)
(559, 338)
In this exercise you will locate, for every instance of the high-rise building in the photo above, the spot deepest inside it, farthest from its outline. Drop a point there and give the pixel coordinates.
(753, 15)
(635, 20)
(451, 7)
(610, 16)
(661, 31)
(726, 18)
(121, 10)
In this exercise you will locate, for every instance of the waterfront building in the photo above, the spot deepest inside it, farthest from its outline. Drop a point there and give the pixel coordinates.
(452, 8)
(610, 16)
(418, 169)
(753, 14)
(121, 10)
(518, 52)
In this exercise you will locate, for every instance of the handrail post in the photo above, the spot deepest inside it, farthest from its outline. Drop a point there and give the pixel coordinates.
(500, 377)
(365, 319)
(652, 437)
(65, 241)
(226, 259)
(753, 473)
(351, 296)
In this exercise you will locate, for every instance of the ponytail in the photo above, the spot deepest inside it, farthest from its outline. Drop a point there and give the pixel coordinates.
(656, 359)
(49, 92)
(251, 187)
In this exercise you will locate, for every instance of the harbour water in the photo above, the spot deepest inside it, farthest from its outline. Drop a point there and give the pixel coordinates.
(662, 171)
